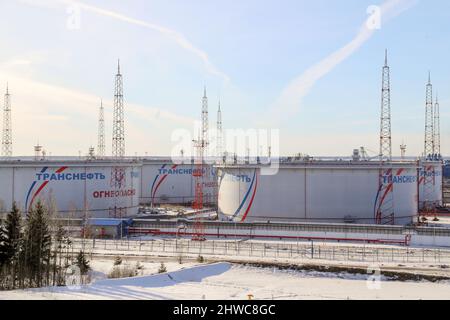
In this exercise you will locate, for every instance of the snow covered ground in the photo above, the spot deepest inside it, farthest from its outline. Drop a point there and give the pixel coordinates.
(227, 281)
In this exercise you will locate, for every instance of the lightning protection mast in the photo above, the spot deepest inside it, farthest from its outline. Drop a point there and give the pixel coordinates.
(427, 174)
(7, 126)
(384, 213)
(101, 132)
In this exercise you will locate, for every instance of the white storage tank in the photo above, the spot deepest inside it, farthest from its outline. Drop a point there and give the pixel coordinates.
(431, 194)
(336, 192)
(166, 182)
(76, 188)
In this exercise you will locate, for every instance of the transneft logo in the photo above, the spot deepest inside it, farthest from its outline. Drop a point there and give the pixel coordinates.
(399, 179)
(238, 178)
(69, 176)
(430, 173)
(180, 171)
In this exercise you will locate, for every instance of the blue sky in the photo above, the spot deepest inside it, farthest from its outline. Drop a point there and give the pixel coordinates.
(247, 53)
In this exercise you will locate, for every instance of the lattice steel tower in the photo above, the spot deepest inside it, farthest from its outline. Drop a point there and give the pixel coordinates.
(384, 205)
(101, 132)
(437, 131)
(427, 204)
(205, 126)
(118, 138)
(219, 134)
(385, 127)
(429, 121)
(7, 126)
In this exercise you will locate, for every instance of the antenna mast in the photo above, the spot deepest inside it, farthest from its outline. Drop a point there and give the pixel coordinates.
(7, 126)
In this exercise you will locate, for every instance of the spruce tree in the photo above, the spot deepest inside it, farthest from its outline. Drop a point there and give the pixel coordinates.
(37, 245)
(3, 257)
(13, 241)
(83, 263)
(3, 249)
(60, 239)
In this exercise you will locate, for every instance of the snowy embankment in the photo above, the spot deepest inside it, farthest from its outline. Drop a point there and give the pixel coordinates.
(228, 281)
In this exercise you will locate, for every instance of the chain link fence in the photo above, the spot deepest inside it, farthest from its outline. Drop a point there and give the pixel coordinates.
(253, 249)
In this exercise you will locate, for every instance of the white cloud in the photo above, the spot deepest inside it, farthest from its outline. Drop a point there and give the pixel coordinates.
(176, 36)
(292, 95)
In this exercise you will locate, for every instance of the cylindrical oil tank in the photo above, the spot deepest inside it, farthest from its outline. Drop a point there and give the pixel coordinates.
(168, 182)
(430, 184)
(316, 192)
(76, 188)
